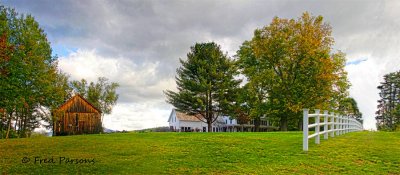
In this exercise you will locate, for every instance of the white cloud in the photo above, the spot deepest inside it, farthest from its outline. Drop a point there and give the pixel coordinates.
(138, 43)
(141, 104)
(364, 78)
(128, 116)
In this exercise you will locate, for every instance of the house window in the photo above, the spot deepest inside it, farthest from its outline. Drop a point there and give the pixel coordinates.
(182, 128)
(226, 121)
(189, 129)
(204, 129)
(231, 121)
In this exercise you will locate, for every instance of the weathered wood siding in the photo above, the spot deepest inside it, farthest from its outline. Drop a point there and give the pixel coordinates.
(76, 116)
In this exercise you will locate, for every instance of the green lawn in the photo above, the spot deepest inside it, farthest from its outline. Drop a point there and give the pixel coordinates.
(203, 153)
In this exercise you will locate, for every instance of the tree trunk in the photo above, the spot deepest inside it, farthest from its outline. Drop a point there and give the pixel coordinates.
(209, 124)
(9, 127)
(257, 122)
(284, 123)
(300, 125)
(24, 133)
(16, 121)
(1, 126)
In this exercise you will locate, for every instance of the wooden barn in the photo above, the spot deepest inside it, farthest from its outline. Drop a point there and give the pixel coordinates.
(76, 116)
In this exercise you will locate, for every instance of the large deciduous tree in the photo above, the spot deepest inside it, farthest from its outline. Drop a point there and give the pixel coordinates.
(29, 80)
(102, 94)
(290, 65)
(388, 114)
(206, 84)
(348, 106)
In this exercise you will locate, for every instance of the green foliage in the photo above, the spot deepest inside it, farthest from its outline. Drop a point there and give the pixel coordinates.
(349, 107)
(388, 114)
(29, 81)
(102, 94)
(205, 153)
(289, 66)
(206, 84)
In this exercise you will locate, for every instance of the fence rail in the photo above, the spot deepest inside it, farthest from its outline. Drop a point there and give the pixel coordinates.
(332, 124)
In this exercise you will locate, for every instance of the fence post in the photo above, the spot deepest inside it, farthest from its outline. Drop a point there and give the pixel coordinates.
(340, 125)
(317, 127)
(326, 124)
(338, 133)
(350, 124)
(336, 125)
(305, 129)
(344, 124)
(332, 124)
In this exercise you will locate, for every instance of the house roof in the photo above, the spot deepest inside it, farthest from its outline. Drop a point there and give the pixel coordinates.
(185, 117)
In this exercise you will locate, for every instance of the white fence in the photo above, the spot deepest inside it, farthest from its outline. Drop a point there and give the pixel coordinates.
(332, 124)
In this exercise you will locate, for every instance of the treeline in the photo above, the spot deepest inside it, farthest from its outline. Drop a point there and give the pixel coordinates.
(31, 85)
(388, 113)
(288, 65)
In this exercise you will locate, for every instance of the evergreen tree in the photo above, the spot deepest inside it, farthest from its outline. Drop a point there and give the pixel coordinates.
(388, 114)
(206, 84)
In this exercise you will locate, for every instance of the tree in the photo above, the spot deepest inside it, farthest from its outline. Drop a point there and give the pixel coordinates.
(388, 114)
(253, 100)
(101, 94)
(28, 73)
(291, 63)
(206, 84)
(348, 106)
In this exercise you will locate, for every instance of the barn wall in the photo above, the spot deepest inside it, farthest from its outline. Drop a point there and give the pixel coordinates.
(87, 123)
(76, 116)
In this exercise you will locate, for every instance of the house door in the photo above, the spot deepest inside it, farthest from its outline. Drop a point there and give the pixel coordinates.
(81, 127)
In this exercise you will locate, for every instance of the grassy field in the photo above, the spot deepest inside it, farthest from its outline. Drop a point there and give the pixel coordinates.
(202, 153)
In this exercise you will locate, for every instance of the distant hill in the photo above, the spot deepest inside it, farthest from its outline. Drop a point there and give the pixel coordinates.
(106, 130)
(156, 129)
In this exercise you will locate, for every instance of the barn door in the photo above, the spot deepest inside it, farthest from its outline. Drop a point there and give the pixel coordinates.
(81, 127)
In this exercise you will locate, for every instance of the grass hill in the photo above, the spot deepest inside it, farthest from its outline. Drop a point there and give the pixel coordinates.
(202, 153)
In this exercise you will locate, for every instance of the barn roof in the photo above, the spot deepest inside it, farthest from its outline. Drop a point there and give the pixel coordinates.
(78, 104)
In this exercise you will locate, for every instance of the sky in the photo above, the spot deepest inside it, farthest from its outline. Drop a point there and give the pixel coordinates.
(138, 43)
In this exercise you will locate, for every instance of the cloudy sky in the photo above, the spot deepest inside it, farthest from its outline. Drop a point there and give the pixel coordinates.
(138, 43)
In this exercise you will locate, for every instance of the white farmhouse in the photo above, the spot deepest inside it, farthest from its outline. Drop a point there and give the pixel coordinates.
(181, 122)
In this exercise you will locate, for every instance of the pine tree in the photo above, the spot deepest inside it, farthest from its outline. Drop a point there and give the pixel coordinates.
(206, 84)
(388, 114)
